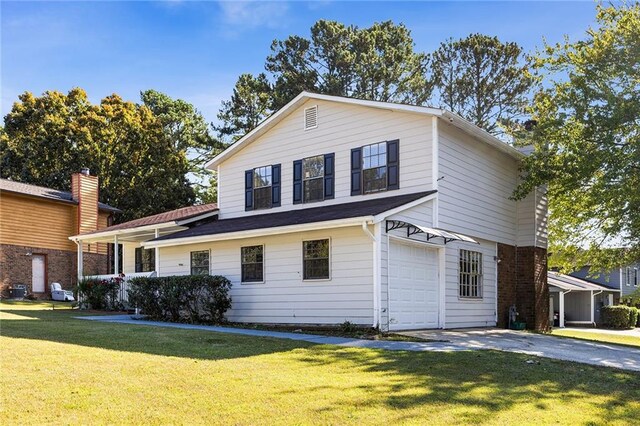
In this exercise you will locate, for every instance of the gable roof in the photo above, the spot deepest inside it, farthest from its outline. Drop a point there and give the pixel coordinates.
(298, 216)
(457, 121)
(47, 193)
(173, 216)
(567, 282)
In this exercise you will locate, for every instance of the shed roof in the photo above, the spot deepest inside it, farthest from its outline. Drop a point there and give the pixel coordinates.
(43, 192)
(298, 216)
(567, 282)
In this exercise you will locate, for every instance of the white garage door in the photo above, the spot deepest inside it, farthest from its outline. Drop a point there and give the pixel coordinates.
(413, 286)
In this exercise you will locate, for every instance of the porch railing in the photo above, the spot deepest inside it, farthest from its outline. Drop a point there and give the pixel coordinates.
(123, 294)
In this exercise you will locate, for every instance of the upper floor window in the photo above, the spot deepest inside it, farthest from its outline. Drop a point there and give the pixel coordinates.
(313, 178)
(470, 279)
(375, 167)
(200, 262)
(262, 187)
(626, 272)
(631, 276)
(145, 260)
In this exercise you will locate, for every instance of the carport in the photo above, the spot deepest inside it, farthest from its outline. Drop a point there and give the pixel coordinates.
(577, 301)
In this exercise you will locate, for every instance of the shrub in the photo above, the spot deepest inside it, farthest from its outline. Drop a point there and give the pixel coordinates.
(619, 316)
(101, 294)
(635, 317)
(190, 298)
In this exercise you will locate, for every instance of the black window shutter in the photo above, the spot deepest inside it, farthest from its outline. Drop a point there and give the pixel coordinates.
(297, 182)
(248, 190)
(329, 180)
(356, 171)
(393, 164)
(275, 185)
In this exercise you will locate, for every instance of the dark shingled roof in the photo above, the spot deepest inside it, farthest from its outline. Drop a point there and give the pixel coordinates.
(42, 192)
(170, 216)
(298, 216)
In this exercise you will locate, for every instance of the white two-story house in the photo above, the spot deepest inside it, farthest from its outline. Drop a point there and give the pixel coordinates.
(385, 215)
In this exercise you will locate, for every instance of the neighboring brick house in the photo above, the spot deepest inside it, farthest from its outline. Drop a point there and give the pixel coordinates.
(35, 225)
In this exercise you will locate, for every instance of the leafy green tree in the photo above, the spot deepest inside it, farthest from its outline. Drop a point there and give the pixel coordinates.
(587, 142)
(188, 132)
(48, 138)
(249, 105)
(483, 80)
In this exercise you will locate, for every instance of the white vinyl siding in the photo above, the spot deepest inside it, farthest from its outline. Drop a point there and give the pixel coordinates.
(343, 127)
(285, 297)
(474, 194)
(462, 312)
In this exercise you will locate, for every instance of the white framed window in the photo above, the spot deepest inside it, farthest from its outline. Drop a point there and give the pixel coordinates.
(316, 259)
(374, 167)
(313, 179)
(145, 260)
(626, 276)
(200, 262)
(252, 260)
(636, 277)
(470, 281)
(262, 181)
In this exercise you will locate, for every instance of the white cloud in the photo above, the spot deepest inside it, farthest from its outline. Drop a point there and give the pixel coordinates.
(253, 14)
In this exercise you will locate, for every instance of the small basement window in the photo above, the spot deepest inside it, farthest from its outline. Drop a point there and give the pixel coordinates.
(470, 274)
(311, 117)
(315, 259)
(200, 262)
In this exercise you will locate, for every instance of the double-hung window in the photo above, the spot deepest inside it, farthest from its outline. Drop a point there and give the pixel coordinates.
(374, 167)
(262, 187)
(470, 280)
(252, 259)
(315, 259)
(200, 262)
(145, 259)
(313, 178)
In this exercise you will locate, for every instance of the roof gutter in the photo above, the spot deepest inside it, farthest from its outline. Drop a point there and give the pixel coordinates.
(260, 232)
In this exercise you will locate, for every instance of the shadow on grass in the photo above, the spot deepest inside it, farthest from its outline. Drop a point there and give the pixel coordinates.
(60, 326)
(475, 386)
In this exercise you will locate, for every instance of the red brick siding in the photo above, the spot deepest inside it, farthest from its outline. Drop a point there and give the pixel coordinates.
(15, 266)
(522, 280)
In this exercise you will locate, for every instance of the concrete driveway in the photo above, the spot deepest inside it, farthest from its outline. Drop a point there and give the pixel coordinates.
(567, 349)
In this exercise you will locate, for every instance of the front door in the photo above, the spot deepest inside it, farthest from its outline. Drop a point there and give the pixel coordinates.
(413, 286)
(38, 273)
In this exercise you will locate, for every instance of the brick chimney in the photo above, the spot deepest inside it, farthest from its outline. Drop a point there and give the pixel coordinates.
(84, 190)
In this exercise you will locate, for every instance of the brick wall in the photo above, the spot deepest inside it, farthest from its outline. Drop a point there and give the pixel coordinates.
(522, 280)
(15, 266)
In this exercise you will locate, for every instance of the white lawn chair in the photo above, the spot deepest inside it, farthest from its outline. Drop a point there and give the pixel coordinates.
(57, 293)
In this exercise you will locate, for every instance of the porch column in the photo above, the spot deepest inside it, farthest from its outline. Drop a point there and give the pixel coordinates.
(593, 319)
(157, 255)
(561, 303)
(116, 255)
(80, 269)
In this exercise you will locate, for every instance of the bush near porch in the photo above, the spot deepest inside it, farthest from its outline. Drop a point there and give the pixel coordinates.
(187, 298)
(619, 316)
(101, 294)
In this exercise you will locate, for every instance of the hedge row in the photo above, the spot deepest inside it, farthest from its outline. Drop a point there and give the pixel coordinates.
(188, 298)
(619, 316)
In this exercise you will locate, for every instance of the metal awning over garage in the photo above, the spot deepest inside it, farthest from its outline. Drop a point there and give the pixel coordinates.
(430, 233)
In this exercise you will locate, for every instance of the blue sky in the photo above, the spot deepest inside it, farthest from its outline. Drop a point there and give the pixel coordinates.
(196, 50)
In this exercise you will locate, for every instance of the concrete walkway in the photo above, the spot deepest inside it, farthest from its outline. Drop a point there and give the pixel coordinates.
(448, 340)
(595, 353)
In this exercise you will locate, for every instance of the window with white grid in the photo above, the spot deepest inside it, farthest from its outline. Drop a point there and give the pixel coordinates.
(470, 274)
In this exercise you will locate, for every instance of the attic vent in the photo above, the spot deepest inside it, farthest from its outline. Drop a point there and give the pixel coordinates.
(311, 117)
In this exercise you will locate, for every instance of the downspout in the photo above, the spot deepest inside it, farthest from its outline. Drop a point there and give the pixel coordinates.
(593, 305)
(79, 268)
(561, 306)
(376, 266)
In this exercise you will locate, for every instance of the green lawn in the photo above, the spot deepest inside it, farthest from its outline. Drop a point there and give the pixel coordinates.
(599, 337)
(56, 369)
